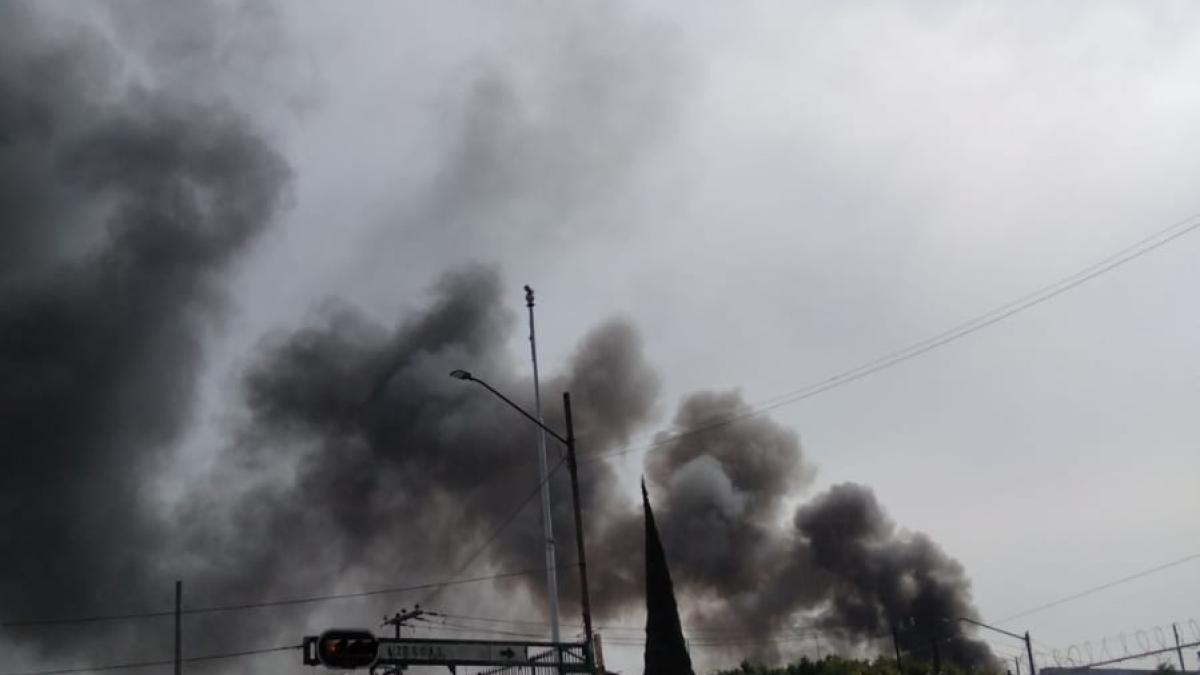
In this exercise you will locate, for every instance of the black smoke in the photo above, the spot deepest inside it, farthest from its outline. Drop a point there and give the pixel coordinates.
(381, 448)
(121, 208)
(354, 460)
(365, 445)
(842, 566)
(881, 578)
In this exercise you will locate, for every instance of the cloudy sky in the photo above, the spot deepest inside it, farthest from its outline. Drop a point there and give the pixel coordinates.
(770, 194)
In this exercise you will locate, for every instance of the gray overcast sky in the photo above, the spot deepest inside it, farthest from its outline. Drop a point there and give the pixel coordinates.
(786, 190)
(773, 193)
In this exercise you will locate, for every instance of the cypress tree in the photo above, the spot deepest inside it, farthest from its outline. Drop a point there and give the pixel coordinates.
(666, 653)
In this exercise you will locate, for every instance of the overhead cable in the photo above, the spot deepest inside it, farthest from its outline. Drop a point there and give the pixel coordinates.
(1047, 292)
(1102, 587)
(152, 664)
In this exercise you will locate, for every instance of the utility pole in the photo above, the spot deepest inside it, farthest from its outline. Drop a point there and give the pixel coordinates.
(937, 656)
(544, 477)
(585, 601)
(1017, 663)
(402, 617)
(573, 466)
(178, 627)
(896, 646)
(1029, 652)
(1178, 649)
(599, 655)
(1024, 638)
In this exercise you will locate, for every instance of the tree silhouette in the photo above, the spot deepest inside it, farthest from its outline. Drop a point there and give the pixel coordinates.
(666, 653)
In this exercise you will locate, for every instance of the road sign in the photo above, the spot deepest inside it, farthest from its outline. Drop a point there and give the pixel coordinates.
(416, 651)
(330, 648)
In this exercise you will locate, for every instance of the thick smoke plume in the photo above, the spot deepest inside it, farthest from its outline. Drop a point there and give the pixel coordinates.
(842, 565)
(354, 460)
(879, 578)
(121, 207)
(386, 467)
(367, 446)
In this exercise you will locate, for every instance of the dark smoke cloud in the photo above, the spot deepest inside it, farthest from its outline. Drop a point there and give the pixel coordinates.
(880, 577)
(121, 207)
(354, 459)
(844, 564)
(723, 491)
(382, 448)
(380, 466)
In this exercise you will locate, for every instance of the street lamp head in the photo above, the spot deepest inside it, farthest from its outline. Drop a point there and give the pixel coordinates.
(461, 375)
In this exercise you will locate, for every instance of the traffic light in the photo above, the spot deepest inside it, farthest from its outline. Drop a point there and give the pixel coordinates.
(347, 649)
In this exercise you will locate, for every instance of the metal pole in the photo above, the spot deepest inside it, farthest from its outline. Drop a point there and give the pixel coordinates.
(1017, 663)
(583, 585)
(1178, 649)
(1029, 652)
(544, 475)
(600, 654)
(178, 627)
(896, 645)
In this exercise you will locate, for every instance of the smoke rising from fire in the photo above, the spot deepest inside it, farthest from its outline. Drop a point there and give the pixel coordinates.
(373, 427)
(842, 564)
(122, 207)
(352, 457)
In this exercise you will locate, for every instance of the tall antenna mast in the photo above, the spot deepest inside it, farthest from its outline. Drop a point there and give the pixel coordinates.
(547, 525)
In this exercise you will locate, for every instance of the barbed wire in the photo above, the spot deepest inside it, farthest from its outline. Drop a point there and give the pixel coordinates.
(1126, 644)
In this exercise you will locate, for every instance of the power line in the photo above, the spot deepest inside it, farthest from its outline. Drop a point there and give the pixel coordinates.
(1102, 587)
(493, 619)
(455, 627)
(807, 629)
(712, 639)
(167, 662)
(701, 638)
(1121, 257)
(606, 627)
(272, 603)
(497, 531)
(1047, 292)
(361, 594)
(435, 586)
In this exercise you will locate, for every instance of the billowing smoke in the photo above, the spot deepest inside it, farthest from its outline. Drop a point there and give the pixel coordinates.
(723, 490)
(842, 564)
(121, 207)
(385, 467)
(380, 448)
(880, 578)
(353, 459)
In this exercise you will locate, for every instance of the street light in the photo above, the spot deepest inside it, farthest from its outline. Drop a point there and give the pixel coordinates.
(1024, 638)
(569, 442)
